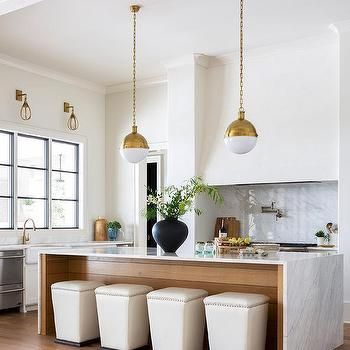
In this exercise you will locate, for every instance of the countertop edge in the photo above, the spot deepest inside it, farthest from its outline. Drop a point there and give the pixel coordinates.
(233, 260)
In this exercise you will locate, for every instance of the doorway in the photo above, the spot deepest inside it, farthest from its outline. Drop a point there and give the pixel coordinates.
(151, 187)
(154, 183)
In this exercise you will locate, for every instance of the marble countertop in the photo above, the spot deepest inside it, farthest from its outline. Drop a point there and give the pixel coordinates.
(62, 245)
(333, 249)
(278, 258)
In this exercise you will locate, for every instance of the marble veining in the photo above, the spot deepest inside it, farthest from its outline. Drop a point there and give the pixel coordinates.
(312, 289)
(313, 299)
(306, 207)
(279, 258)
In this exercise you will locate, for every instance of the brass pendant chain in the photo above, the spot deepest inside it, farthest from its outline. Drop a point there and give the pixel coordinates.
(134, 73)
(241, 108)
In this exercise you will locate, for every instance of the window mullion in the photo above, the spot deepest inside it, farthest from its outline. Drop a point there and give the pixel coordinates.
(49, 183)
(77, 211)
(15, 181)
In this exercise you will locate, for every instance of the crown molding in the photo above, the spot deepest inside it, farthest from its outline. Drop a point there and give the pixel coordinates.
(7, 6)
(222, 60)
(196, 58)
(340, 27)
(297, 46)
(51, 74)
(144, 83)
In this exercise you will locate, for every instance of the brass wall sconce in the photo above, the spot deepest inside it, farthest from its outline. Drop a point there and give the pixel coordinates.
(72, 123)
(25, 113)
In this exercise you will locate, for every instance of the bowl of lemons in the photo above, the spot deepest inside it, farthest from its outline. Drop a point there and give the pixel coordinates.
(239, 241)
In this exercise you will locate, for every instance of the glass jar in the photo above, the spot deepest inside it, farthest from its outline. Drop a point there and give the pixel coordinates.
(200, 247)
(209, 247)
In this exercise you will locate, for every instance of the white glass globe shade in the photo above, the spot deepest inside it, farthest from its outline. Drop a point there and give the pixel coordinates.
(240, 144)
(134, 155)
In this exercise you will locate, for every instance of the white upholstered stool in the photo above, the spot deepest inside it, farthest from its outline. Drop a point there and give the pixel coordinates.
(177, 318)
(75, 313)
(236, 321)
(123, 316)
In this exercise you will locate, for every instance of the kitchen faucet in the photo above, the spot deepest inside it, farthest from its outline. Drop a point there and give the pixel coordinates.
(25, 237)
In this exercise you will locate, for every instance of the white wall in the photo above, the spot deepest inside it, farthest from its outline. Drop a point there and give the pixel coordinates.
(46, 97)
(152, 123)
(291, 96)
(344, 164)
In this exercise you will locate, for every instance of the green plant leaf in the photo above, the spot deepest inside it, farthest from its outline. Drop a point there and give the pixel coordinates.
(173, 202)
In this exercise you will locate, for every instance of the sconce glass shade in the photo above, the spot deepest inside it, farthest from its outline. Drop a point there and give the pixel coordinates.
(134, 147)
(73, 123)
(240, 136)
(25, 112)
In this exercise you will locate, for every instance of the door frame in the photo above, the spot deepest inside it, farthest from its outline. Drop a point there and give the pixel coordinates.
(140, 176)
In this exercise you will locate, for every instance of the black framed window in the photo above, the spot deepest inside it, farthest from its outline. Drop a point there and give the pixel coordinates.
(39, 179)
(6, 180)
(32, 180)
(65, 185)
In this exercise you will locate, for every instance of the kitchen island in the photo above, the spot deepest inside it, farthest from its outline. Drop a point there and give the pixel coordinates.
(305, 289)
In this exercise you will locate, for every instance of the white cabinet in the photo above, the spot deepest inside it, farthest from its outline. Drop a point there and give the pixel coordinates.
(31, 285)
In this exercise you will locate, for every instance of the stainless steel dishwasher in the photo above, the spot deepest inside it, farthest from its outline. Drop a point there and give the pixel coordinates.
(11, 278)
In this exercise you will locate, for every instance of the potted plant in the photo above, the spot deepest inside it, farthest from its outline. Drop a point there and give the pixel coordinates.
(320, 236)
(113, 227)
(171, 204)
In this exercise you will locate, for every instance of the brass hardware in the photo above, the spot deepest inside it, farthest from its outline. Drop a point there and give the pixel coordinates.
(241, 108)
(25, 237)
(25, 112)
(72, 123)
(19, 95)
(134, 139)
(272, 209)
(135, 8)
(67, 107)
(241, 126)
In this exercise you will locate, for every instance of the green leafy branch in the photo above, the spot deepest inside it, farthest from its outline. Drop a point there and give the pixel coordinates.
(174, 202)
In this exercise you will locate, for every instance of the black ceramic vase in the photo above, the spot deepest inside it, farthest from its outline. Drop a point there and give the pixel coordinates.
(170, 234)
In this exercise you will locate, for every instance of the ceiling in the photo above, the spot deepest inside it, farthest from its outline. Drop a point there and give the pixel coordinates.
(91, 39)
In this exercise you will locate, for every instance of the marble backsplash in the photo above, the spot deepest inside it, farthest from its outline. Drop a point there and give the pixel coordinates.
(306, 208)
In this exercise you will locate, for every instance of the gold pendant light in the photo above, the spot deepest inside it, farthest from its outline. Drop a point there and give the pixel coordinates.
(241, 136)
(134, 147)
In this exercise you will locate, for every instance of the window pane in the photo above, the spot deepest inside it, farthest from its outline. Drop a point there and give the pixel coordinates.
(31, 183)
(5, 182)
(64, 214)
(31, 208)
(5, 213)
(31, 152)
(64, 185)
(5, 148)
(64, 156)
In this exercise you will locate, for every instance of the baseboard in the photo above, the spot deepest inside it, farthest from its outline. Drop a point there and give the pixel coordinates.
(32, 307)
(346, 312)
